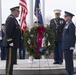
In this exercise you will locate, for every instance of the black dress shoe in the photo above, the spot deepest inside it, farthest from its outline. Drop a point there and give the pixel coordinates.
(56, 63)
(14, 63)
(60, 63)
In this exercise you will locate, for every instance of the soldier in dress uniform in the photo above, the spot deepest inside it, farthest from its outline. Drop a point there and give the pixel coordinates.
(57, 24)
(68, 42)
(12, 39)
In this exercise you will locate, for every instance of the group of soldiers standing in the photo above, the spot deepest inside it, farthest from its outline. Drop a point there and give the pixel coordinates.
(64, 32)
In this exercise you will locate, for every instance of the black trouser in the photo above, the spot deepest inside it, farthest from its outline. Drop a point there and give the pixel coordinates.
(15, 56)
(22, 51)
(9, 61)
(69, 62)
(58, 52)
(3, 53)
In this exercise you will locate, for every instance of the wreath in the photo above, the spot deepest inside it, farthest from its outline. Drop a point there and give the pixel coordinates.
(47, 41)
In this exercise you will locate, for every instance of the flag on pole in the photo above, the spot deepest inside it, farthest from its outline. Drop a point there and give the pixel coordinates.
(37, 12)
(24, 12)
(40, 29)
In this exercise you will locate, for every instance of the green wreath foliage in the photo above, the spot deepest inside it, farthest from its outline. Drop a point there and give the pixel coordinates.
(30, 38)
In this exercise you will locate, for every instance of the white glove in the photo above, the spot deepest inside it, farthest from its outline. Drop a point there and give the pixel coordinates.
(22, 38)
(11, 44)
(0, 38)
(72, 48)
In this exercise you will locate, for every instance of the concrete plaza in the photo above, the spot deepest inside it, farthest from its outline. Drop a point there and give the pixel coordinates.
(36, 67)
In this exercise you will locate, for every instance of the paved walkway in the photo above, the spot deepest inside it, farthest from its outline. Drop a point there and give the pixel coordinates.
(36, 67)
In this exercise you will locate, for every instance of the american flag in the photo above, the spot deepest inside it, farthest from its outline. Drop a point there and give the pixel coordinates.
(24, 12)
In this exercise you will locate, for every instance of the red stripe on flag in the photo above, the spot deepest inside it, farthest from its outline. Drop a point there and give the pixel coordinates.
(24, 12)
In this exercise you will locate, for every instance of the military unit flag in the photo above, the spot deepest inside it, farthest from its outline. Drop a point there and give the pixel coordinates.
(37, 12)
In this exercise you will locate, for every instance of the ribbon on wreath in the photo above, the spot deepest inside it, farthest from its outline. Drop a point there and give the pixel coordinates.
(40, 31)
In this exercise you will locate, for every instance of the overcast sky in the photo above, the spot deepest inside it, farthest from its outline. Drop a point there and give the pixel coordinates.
(50, 5)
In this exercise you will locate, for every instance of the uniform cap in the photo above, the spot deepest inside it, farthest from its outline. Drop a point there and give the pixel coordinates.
(57, 11)
(68, 14)
(15, 8)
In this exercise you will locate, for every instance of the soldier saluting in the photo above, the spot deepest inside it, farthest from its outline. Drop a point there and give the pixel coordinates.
(12, 39)
(57, 24)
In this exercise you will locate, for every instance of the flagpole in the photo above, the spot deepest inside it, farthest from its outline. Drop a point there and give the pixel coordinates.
(31, 13)
(0, 15)
(37, 14)
(0, 20)
(43, 11)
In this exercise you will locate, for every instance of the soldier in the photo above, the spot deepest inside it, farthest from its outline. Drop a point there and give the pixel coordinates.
(12, 39)
(3, 48)
(68, 42)
(22, 46)
(57, 25)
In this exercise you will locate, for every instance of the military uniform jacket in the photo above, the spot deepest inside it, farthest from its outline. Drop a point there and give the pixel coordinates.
(68, 38)
(57, 25)
(12, 31)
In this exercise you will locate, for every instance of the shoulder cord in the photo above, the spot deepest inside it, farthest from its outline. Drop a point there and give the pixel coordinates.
(55, 23)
